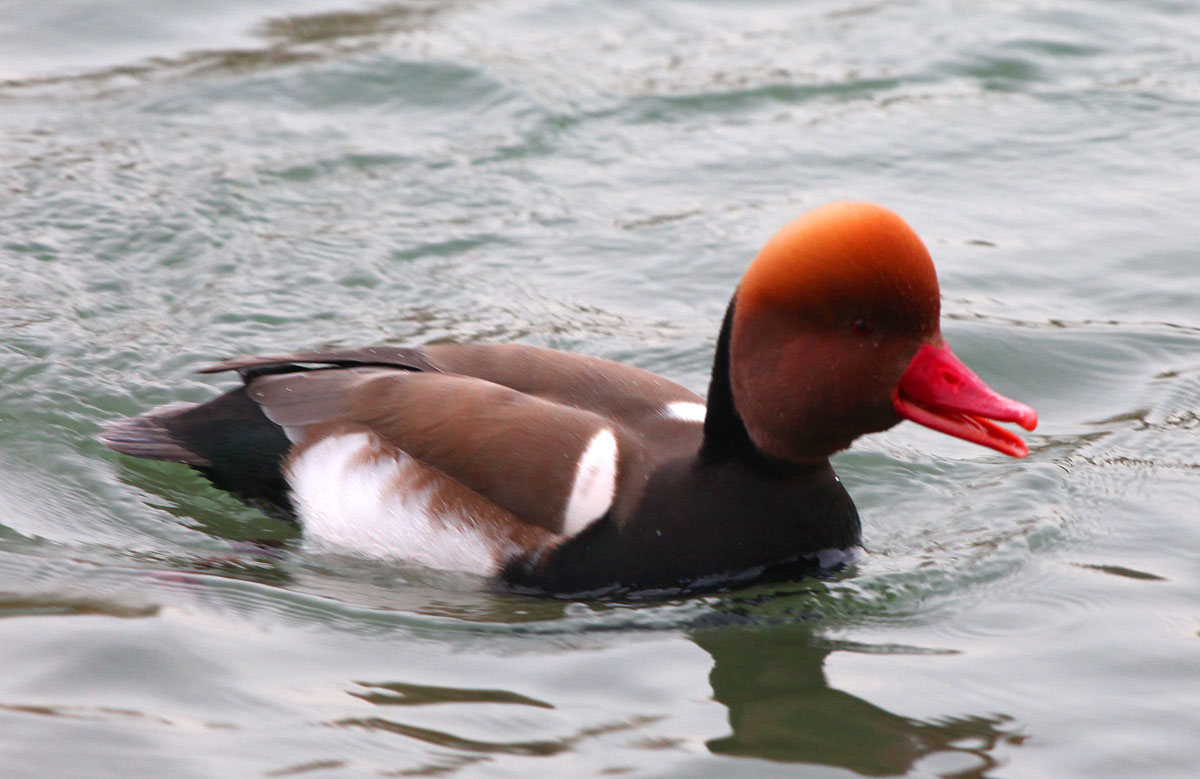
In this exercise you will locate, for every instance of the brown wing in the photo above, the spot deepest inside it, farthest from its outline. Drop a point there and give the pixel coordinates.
(511, 422)
(611, 389)
(495, 440)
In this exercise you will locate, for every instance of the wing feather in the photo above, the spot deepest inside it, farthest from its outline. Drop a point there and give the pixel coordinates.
(490, 438)
(498, 418)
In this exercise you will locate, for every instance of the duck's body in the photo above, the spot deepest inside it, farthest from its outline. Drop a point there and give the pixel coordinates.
(566, 473)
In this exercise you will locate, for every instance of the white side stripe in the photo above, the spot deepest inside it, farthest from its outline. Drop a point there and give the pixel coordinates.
(595, 483)
(685, 411)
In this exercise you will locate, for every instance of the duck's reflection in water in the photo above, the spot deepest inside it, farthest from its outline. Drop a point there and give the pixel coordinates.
(781, 708)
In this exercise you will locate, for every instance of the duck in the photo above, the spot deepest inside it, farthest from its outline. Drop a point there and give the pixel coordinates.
(561, 473)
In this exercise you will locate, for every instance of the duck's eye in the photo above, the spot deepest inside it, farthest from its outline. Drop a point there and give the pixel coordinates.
(862, 327)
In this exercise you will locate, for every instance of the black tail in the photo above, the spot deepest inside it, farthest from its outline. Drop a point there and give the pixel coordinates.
(228, 439)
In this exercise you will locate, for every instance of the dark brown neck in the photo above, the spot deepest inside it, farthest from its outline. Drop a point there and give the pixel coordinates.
(725, 436)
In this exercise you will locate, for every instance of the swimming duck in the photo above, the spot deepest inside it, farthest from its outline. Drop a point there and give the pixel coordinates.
(564, 473)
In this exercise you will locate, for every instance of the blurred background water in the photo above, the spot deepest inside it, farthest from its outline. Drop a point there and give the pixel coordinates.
(181, 182)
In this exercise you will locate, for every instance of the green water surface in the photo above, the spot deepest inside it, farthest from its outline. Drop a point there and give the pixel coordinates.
(180, 182)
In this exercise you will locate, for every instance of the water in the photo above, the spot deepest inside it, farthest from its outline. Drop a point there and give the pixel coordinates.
(182, 183)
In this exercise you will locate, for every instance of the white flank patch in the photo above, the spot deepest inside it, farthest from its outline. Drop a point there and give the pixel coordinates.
(595, 483)
(348, 493)
(685, 411)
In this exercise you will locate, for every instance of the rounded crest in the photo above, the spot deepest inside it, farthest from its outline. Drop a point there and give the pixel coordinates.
(841, 252)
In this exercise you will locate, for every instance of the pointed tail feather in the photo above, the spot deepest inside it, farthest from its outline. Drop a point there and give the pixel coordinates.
(148, 436)
(228, 439)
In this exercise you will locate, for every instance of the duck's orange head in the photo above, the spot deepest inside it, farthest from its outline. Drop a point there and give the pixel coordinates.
(835, 333)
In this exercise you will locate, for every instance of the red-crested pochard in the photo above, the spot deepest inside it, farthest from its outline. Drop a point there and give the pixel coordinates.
(564, 473)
